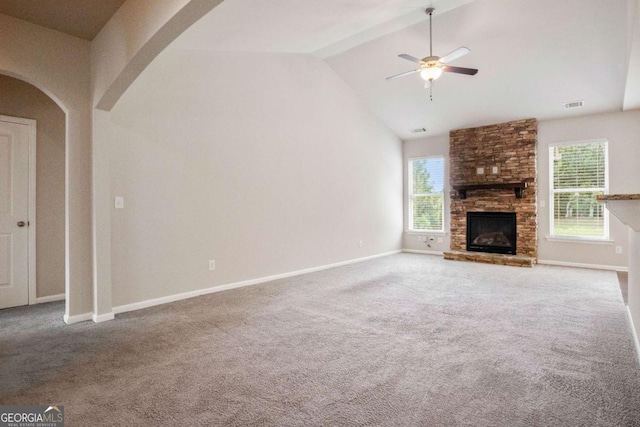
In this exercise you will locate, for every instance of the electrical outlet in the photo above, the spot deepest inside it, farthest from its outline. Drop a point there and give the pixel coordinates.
(619, 250)
(359, 243)
(212, 264)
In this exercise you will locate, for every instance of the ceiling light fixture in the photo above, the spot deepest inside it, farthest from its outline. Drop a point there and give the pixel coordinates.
(431, 67)
(431, 73)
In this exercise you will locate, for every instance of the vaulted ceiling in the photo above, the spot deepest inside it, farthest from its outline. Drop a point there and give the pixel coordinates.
(533, 56)
(79, 18)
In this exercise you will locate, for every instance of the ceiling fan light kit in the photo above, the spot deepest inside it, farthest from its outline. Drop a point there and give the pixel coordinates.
(431, 73)
(432, 67)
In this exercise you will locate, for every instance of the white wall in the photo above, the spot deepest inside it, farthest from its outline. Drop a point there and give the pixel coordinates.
(620, 129)
(425, 147)
(20, 99)
(125, 46)
(266, 169)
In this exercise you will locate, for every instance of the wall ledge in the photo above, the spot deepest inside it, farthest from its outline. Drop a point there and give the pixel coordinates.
(625, 207)
(584, 240)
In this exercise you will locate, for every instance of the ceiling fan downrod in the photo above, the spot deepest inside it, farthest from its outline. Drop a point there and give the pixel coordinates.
(429, 11)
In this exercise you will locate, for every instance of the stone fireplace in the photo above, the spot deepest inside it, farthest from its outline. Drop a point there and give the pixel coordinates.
(493, 173)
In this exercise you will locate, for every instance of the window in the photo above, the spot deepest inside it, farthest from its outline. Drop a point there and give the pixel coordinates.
(579, 172)
(426, 194)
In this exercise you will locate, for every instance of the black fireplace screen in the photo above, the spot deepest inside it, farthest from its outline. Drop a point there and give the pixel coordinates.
(491, 232)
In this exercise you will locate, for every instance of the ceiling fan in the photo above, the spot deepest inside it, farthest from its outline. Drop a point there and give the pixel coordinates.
(431, 67)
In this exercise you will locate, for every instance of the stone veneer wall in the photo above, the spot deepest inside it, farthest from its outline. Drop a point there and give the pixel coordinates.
(512, 147)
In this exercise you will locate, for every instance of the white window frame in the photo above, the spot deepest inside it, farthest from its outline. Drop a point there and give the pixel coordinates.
(410, 195)
(552, 192)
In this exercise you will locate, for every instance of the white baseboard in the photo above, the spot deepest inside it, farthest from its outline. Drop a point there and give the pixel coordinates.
(581, 265)
(50, 298)
(70, 320)
(102, 317)
(634, 333)
(418, 251)
(178, 297)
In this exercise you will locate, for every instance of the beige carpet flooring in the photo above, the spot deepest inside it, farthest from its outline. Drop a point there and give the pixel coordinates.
(405, 340)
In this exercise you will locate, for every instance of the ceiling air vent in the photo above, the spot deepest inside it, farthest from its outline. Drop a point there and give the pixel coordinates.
(574, 104)
(418, 130)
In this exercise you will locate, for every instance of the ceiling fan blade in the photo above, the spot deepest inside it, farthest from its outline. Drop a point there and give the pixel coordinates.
(410, 58)
(406, 73)
(460, 70)
(452, 56)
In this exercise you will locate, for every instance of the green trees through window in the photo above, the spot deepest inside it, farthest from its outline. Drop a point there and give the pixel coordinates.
(426, 194)
(579, 173)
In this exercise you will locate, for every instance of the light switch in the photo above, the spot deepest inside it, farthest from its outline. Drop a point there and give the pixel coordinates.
(494, 170)
(119, 202)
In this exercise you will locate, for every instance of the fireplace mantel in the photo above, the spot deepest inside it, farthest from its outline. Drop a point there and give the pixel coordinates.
(516, 186)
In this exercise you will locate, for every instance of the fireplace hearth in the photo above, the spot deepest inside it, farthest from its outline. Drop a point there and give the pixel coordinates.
(493, 232)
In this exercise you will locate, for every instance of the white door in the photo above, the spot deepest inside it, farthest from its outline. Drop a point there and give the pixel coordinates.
(14, 214)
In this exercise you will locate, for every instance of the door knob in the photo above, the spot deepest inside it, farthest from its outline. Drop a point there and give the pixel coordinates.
(21, 223)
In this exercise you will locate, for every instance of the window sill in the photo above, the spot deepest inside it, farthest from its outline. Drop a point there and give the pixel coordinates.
(585, 240)
(423, 232)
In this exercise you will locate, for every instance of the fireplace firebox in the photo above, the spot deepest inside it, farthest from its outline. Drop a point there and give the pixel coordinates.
(493, 232)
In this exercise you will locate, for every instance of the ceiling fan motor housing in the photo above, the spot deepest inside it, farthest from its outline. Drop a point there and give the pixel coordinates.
(429, 60)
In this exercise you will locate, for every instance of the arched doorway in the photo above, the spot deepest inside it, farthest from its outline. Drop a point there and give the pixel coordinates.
(24, 100)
